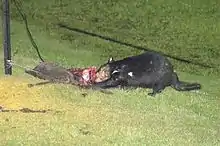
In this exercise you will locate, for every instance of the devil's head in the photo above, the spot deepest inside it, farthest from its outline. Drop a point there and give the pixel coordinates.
(104, 71)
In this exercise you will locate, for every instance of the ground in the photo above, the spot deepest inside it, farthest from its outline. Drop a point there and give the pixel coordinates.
(130, 117)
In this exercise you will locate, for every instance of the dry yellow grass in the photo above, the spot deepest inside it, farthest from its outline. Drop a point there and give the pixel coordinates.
(15, 94)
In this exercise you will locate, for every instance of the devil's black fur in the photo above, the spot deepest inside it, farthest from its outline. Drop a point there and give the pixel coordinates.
(147, 70)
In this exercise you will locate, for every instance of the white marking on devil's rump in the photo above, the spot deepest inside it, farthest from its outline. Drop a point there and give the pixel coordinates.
(115, 71)
(130, 74)
(151, 62)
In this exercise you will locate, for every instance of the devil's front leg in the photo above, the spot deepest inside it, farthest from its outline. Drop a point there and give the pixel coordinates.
(102, 86)
(110, 83)
(118, 79)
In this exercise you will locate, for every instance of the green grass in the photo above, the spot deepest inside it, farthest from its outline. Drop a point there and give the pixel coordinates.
(188, 29)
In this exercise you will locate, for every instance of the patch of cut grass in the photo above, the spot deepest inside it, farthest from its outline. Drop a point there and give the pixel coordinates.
(128, 117)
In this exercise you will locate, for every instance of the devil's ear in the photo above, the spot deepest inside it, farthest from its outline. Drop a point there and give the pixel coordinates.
(110, 60)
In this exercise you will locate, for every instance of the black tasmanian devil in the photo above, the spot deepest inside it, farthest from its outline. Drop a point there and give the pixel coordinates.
(147, 70)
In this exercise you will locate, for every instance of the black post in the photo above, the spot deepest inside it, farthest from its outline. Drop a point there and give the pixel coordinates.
(6, 36)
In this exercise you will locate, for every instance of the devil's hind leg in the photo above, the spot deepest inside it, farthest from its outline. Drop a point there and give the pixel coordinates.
(157, 88)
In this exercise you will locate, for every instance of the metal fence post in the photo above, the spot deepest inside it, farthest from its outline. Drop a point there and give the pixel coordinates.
(6, 37)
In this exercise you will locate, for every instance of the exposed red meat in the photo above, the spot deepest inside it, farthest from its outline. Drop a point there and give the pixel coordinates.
(88, 75)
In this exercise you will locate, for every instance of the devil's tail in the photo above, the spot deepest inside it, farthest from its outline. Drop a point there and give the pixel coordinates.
(183, 86)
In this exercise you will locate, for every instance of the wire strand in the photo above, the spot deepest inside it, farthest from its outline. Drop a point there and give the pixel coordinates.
(12, 63)
(24, 17)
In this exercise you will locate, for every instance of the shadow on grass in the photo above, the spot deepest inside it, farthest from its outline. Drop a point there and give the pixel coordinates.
(129, 45)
